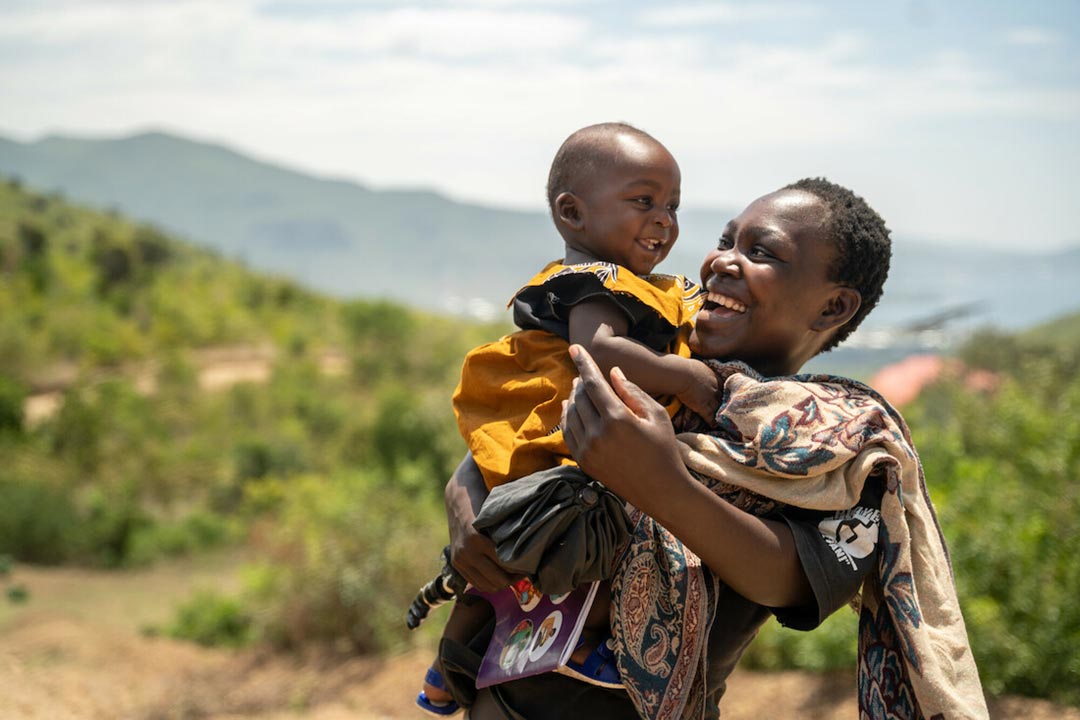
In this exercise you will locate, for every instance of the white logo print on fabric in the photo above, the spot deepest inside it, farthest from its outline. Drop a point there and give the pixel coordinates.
(851, 534)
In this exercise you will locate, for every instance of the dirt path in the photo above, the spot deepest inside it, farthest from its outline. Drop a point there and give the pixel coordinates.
(74, 651)
(218, 368)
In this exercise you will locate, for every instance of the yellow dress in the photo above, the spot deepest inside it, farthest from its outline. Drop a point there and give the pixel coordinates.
(509, 401)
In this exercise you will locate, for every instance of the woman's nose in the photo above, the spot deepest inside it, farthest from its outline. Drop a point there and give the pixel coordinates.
(726, 262)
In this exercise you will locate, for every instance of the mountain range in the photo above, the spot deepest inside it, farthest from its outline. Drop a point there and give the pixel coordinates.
(424, 249)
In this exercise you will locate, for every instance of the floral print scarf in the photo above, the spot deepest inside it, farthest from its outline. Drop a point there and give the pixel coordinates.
(810, 441)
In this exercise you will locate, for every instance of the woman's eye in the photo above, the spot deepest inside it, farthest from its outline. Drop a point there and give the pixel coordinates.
(760, 252)
(723, 243)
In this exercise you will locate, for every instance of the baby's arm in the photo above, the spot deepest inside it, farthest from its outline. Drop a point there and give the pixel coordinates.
(601, 327)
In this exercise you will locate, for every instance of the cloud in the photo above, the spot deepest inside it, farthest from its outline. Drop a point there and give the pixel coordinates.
(473, 96)
(700, 14)
(1032, 37)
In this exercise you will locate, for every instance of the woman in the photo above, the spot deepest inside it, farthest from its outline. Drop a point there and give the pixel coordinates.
(791, 276)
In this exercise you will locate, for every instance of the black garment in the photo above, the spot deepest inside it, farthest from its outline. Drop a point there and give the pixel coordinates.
(835, 574)
(549, 696)
(556, 526)
(836, 549)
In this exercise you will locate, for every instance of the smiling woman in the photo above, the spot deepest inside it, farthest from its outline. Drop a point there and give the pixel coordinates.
(781, 279)
(756, 515)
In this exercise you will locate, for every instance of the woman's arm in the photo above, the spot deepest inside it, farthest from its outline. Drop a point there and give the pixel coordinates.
(472, 553)
(599, 326)
(623, 438)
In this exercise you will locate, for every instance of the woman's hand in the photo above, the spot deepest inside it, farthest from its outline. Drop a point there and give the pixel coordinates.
(624, 439)
(471, 553)
(617, 433)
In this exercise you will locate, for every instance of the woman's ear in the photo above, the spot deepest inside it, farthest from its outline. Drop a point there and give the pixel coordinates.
(838, 309)
(569, 211)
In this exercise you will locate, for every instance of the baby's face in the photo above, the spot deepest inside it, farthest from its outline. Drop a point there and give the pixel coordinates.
(629, 206)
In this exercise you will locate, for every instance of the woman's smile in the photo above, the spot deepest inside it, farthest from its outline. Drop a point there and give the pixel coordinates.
(726, 302)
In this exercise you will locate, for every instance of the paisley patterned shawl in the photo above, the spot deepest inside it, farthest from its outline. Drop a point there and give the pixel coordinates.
(810, 441)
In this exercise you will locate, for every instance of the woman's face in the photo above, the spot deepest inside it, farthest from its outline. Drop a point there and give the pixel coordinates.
(768, 286)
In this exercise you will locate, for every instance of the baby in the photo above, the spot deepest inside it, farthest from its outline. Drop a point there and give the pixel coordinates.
(614, 193)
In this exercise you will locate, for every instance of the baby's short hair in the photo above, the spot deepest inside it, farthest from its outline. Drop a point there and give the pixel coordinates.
(862, 242)
(586, 150)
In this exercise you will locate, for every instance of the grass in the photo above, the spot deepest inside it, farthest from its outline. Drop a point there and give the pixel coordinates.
(127, 600)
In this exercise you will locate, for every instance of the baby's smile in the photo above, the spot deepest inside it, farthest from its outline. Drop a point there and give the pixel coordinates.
(653, 243)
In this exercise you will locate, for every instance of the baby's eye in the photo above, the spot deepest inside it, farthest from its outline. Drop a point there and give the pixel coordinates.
(758, 251)
(645, 202)
(673, 207)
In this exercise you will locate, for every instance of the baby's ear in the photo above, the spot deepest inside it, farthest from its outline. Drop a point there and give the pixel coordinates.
(841, 306)
(569, 211)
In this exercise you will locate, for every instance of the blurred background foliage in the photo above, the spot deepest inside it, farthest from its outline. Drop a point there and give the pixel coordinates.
(331, 467)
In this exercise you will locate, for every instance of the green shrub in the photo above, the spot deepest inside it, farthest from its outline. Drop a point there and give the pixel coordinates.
(113, 517)
(38, 523)
(12, 397)
(831, 646)
(346, 556)
(17, 594)
(212, 619)
(1004, 469)
(196, 532)
(406, 433)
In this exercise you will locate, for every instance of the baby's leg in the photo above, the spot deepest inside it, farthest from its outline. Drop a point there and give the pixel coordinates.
(597, 627)
(467, 618)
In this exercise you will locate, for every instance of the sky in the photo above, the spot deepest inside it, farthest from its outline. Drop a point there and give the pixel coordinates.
(959, 121)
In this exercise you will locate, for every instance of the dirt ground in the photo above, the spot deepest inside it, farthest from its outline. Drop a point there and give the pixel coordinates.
(219, 368)
(76, 651)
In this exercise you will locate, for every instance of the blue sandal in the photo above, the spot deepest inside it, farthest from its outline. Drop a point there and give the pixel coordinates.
(432, 707)
(598, 669)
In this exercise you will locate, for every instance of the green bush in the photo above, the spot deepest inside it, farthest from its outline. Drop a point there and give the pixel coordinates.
(346, 556)
(831, 646)
(196, 532)
(213, 620)
(12, 397)
(1004, 469)
(113, 517)
(38, 523)
(17, 594)
(404, 432)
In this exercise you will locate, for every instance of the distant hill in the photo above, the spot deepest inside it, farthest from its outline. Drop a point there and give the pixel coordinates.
(335, 236)
(84, 289)
(427, 250)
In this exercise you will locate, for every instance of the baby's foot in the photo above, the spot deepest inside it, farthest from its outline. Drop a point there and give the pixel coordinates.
(584, 649)
(593, 661)
(436, 695)
(435, 699)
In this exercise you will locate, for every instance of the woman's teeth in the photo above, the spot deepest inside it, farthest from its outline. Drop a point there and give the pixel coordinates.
(725, 301)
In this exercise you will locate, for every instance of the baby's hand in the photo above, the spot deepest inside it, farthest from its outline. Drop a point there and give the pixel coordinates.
(702, 392)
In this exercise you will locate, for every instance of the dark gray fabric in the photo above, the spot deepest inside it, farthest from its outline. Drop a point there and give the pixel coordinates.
(557, 526)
